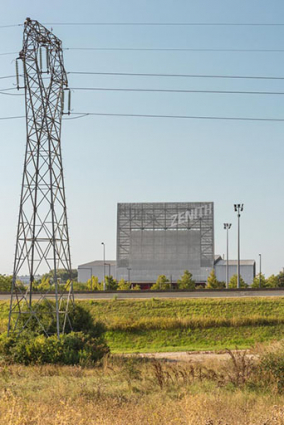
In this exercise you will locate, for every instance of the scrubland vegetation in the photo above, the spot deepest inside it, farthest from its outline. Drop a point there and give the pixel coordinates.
(124, 391)
(115, 389)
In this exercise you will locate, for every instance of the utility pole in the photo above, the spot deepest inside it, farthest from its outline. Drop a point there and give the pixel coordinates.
(238, 209)
(227, 226)
(42, 243)
(104, 260)
(259, 270)
(128, 269)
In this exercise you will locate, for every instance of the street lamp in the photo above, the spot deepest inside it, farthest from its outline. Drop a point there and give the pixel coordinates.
(128, 268)
(259, 270)
(227, 226)
(104, 256)
(238, 209)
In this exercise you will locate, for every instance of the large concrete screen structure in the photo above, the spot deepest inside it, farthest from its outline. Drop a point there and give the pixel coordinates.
(165, 238)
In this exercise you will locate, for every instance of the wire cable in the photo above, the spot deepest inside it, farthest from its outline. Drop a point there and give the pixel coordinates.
(9, 53)
(175, 91)
(191, 117)
(137, 74)
(161, 24)
(85, 114)
(171, 49)
(12, 118)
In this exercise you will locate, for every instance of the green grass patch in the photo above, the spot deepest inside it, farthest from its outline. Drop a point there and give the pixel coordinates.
(187, 324)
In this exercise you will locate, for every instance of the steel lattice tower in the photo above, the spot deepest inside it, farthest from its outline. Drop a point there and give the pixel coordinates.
(42, 237)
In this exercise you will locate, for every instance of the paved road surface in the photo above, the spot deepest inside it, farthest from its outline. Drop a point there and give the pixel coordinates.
(153, 294)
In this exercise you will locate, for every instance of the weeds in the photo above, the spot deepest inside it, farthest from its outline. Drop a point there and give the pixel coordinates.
(124, 391)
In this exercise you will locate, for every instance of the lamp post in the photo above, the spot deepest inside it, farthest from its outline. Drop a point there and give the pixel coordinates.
(104, 259)
(238, 209)
(128, 268)
(227, 226)
(259, 270)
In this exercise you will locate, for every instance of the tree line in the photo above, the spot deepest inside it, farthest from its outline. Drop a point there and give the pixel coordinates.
(186, 281)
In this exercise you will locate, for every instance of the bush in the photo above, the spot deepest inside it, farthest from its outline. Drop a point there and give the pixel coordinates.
(85, 344)
(186, 281)
(161, 283)
(69, 349)
(272, 363)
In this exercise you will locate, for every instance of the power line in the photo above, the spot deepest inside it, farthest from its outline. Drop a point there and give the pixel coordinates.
(11, 26)
(7, 76)
(175, 91)
(171, 49)
(161, 24)
(9, 53)
(143, 90)
(137, 74)
(85, 114)
(12, 118)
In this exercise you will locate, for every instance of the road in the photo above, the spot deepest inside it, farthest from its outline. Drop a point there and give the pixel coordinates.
(171, 294)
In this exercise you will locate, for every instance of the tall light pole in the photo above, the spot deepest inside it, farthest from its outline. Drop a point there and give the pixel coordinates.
(104, 257)
(259, 270)
(238, 209)
(128, 268)
(227, 226)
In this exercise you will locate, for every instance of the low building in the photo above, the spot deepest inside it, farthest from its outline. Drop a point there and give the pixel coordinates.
(96, 268)
(247, 269)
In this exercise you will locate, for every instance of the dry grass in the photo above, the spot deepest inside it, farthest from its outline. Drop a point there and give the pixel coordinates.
(139, 391)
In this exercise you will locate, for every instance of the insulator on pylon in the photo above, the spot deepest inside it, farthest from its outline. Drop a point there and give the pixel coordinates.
(17, 74)
(47, 60)
(40, 59)
(69, 101)
(62, 102)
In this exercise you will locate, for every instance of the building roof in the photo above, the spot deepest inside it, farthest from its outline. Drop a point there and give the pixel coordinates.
(97, 263)
(222, 262)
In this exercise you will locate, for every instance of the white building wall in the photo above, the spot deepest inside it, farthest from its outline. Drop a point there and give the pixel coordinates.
(96, 268)
(247, 272)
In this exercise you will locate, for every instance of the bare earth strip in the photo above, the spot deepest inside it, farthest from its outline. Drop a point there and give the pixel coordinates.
(190, 356)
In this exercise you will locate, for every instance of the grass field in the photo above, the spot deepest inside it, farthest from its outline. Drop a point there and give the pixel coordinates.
(127, 391)
(177, 325)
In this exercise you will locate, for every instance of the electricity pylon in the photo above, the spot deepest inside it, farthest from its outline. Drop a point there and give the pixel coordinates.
(42, 243)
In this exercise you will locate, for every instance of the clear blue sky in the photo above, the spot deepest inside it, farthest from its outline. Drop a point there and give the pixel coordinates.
(109, 160)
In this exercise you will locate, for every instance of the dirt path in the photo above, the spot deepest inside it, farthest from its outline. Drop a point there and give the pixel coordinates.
(191, 356)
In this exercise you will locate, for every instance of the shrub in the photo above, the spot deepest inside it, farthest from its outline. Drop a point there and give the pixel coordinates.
(272, 363)
(85, 344)
(186, 281)
(161, 283)
(234, 282)
(213, 283)
(123, 285)
(69, 349)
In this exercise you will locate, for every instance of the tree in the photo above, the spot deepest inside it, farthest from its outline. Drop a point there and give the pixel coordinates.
(93, 284)
(136, 288)
(123, 285)
(186, 281)
(5, 283)
(213, 283)
(161, 283)
(62, 274)
(234, 282)
(255, 283)
(272, 281)
(280, 278)
(111, 283)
